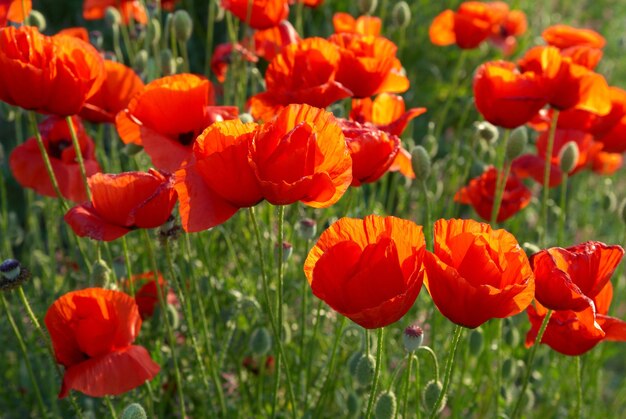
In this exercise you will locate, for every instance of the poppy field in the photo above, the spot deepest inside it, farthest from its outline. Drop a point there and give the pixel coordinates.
(312, 209)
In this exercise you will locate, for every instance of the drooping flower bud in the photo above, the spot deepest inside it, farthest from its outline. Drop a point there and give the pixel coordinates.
(37, 19)
(401, 14)
(183, 25)
(476, 342)
(517, 143)
(365, 370)
(101, 273)
(432, 390)
(420, 161)
(112, 17)
(568, 157)
(385, 405)
(168, 63)
(134, 411)
(260, 341)
(141, 61)
(153, 32)
(367, 7)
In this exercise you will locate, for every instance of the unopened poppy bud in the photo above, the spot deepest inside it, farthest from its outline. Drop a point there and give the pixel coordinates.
(413, 337)
(260, 341)
(112, 17)
(420, 160)
(367, 7)
(168, 64)
(306, 228)
(511, 337)
(401, 14)
(183, 25)
(12, 274)
(353, 404)
(134, 411)
(385, 405)
(153, 32)
(509, 368)
(431, 144)
(353, 362)
(517, 143)
(568, 157)
(530, 248)
(287, 251)
(37, 19)
(476, 341)
(365, 370)
(246, 118)
(487, 131)
(101, 273)
(609, 201)
(141, 61)
(432, 390)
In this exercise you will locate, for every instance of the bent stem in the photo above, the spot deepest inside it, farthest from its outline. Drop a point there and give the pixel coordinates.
(529, 364)
(434, 358)
(503, 170)
(458, 331)
(107, 401)
(79, 155)
(546, 178)
(379, 361)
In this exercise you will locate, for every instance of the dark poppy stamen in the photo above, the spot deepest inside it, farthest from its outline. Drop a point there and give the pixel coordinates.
(56, 148)
(186, 138)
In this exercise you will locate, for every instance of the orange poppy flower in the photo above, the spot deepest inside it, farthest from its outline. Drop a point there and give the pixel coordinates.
(511, 24)
(47, 74)
(14, 11)
(372, 150)
(308, 3)
(301, 156)
(146, 296)
(270, 42)
(363, 25)
(121, 83)
(564, 36)
(610, 130)
(506, 97)
(567, 84)
(476, 273)
(77, 32)
(28, 168)
(96, 9)
(167, 116)
(92, 333)
(302, 73)
(583, 55)
(219, 180)
(569, 279)
(258, 14)
(387, 112)
(576, 332)
(368, 270)
(122, 203)
(468, 27)
(222, 57)
(607, 163)
(368, 65)
(480, 194)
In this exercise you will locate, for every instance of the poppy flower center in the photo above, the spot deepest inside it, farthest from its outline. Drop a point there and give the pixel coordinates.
(186, 138)
(55, 149)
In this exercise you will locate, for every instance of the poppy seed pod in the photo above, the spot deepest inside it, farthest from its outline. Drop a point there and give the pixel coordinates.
(386, 405)
(487, 131)
(101, 273)
(516, 144)
(141, 61)
(568, 157)
(134, 411)
(412, 338)
(365, 370)
(183, 25)
(401, 14)
(112, 17)
(420, 161)
(153, 32)
(260, 341)
(432, 390)
(353, 404)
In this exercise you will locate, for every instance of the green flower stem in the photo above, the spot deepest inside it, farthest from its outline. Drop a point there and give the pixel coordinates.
(129, 271)
(330, 379)
(433, 357)
(503, 168)
(498, 377)
(304, 292)
(458, 331)
(579, 387)
(46, 160)
(79, 155)
(379, 361)
(182, 46)
(405, 402)
(167, 321)
(127, 43)
(456, 77)
(546, 179)
(560, 235)
(279, 301)
(418, 411)
(316, 327)
(29, 367)
(428, 225)
(209, 36)
(107, 401)
(529, 365)
(270, 313)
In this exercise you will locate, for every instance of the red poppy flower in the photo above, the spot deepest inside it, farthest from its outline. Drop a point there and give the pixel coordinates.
(568, 279)
(364, 25)
(168, 5)
(607, 163)
(258, 14)
(302, 73)
(146, 296)
(574, 333)
(121, 83)
(583, 55)
(368, 65)
(47, 74)
(372, 150)
(14, 11)
(96, 9)
(76, 32)
(92, 333)
(506, 97)
(219, 180)
(480, 194)
(301, 156)
(368, 270)
(387, 112)
(222, 57)
(505, 34)
(533, 166)
(29, 170)
(121, 203)
(270, 42)
(468, 27)
(587, 147)
(308, 3)
(564, 36)
(476, 273)
(567, 84)
(167, 116)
